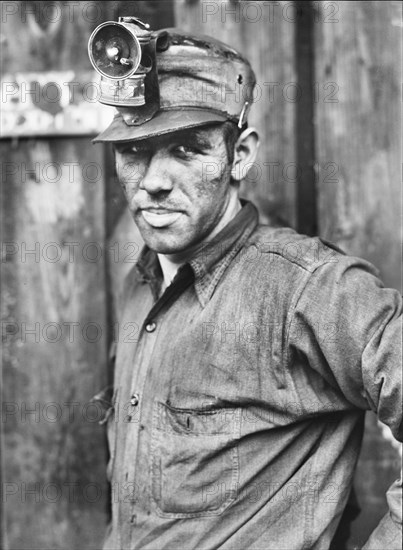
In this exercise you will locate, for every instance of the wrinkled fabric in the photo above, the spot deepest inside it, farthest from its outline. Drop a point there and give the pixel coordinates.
(240, 393)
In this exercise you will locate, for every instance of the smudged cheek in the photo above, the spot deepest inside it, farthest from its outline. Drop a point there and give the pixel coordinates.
(208, 203)
(130, 186)
(207, 184)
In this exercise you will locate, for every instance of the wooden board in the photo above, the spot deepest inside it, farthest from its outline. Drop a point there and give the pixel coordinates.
(54, 458)
(358, 131)
(54, 338)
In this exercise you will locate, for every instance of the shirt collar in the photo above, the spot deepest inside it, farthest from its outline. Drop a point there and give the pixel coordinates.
(212, 259)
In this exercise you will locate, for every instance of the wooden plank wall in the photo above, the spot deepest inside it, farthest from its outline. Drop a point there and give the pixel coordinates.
(351, 145)
(53, 306)
(54, 354)
(358, 130)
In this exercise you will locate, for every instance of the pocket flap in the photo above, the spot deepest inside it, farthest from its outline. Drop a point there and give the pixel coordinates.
(197, 422)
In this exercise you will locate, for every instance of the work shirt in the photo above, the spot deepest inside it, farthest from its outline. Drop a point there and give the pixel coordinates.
(240, 393)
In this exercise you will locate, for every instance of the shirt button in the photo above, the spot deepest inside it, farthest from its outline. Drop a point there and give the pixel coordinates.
(150, 327)
(134, 399)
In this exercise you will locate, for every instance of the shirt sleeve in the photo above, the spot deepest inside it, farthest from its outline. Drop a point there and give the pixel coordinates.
(388, 534)
(349, 327)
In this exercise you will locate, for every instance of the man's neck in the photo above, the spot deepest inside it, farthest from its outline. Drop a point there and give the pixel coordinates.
(170, 263)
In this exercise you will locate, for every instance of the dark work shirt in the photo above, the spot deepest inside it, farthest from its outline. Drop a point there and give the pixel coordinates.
(240, 393)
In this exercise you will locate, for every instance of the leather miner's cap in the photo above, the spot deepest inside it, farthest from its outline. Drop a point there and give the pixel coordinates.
(201, 81)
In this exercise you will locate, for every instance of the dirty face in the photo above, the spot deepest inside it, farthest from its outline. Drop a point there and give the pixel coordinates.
(177, 186)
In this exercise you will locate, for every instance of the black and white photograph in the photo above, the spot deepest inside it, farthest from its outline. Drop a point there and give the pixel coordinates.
(201, 275)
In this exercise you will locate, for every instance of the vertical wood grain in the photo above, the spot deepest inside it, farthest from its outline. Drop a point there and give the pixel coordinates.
(306, 196)
(54, 339)
(358, 131)
(53, 308)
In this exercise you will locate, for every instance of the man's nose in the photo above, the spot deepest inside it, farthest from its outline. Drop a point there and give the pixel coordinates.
(157, 177)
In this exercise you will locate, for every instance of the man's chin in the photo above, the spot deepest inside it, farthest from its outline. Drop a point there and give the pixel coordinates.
(164, 248)
(169, 240)
(161, 242)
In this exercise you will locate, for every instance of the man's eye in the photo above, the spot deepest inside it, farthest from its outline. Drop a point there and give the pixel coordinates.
(132, 150)
(185, 150)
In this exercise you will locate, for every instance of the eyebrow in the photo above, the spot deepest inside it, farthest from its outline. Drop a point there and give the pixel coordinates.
(192, 136)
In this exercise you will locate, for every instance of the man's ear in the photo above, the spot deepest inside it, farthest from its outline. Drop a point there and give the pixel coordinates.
(245, 152)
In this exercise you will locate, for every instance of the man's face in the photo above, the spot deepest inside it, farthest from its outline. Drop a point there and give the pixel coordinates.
(177, 186)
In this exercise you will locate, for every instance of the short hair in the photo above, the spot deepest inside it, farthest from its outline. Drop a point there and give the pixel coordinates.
(231, 133)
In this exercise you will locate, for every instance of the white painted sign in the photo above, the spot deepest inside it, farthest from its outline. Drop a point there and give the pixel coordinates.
(51, 103)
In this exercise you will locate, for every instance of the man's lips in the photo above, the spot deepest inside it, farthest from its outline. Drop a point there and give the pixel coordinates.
(160, 217)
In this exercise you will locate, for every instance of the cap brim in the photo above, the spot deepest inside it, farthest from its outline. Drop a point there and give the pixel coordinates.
(163, 122)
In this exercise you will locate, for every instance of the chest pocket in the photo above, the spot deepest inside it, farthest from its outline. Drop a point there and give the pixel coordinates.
(195, 464)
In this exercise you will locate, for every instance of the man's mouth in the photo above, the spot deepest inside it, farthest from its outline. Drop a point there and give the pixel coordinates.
(159, 217)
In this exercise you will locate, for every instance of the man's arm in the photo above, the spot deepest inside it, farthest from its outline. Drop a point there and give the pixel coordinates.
(349, 327)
